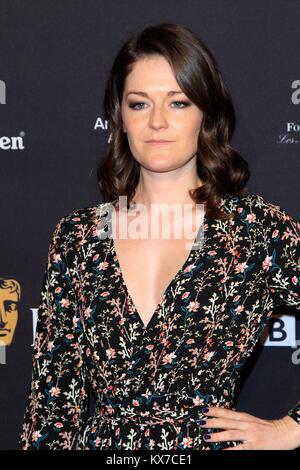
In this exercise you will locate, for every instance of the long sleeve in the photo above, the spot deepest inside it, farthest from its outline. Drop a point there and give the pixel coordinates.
(283, 264)
(57, 402)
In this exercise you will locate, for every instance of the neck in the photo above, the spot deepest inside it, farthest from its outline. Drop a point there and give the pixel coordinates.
(159, 188)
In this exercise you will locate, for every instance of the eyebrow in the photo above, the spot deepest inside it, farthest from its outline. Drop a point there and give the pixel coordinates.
(142, 93)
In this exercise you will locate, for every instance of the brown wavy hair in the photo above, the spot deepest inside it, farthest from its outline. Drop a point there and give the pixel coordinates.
(219, 166)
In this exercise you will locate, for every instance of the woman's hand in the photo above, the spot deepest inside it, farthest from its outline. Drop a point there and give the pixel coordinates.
(253, 432)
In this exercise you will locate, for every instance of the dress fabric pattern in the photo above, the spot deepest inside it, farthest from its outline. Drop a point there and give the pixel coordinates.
(151, 382)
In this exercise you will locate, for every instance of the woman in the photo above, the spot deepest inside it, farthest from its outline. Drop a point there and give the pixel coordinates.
(160, 333)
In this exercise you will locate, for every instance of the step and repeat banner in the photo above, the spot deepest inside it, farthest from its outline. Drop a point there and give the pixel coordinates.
(55, 56)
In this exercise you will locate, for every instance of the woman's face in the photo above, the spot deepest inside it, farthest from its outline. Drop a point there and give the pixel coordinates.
(152, 113)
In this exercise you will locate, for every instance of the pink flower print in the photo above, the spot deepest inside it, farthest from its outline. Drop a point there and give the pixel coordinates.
(36, 435)
(135, 403)
(65, 303)
(59, 425)
(208, 356)
(275, 233)
(151, 444)
(198, 401)
(110, 410)
(88, 352)
(50, 345)
(110, 353)
(87, 313)
(251, 217)
(193, 306)
(190, 341)
(229, 343)
(167, 358)
(239, 309)
(189, 268)
(187, 442)
(150, 347)
(185, 295)
(95, 257)
(295, 280)
(105, 294)
(267, 263)
(56, 257)
(55, 391)
(235, 254)
(95, 356)
(75, 321)
(212, 253)
(57, 290)
(103, 265)
(240, 267)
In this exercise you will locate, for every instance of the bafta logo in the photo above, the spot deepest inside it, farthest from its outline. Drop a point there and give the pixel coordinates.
(10, 292)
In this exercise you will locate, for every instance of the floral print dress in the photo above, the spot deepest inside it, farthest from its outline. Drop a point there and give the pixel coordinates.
(151, 383)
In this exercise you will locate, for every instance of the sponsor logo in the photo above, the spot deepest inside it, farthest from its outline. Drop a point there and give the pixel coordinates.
(12, 143)
(2, 92)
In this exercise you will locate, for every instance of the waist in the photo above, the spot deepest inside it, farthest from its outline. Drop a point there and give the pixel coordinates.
(177, 408)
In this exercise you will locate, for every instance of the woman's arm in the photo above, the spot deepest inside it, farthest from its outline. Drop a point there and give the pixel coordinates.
(284, 280)
(57, 403)
(282, 264)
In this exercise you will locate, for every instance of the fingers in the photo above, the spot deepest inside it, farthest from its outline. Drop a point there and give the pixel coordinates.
(225, 424)
(239, 447)
(232, 435)
(247, 429)
(220, 412)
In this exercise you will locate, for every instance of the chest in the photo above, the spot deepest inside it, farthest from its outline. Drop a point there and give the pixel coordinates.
(148, 265)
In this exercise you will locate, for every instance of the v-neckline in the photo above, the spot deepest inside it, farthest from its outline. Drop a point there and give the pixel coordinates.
(193, 250)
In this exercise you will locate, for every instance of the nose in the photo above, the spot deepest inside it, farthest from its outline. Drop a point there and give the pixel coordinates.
(157, 118)
(2, 322)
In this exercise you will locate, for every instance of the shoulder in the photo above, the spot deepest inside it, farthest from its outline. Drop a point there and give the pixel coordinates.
(269, 218)
(81, 225)
(85, 215)
(255, 205)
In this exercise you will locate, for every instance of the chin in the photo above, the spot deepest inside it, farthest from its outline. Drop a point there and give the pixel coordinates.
(160, 167)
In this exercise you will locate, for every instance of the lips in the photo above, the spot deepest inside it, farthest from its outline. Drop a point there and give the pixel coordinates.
(158, 141)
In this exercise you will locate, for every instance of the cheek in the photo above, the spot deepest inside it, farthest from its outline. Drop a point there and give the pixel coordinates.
(190, 125)
(13, 319)
(190, 132)
(134, 125)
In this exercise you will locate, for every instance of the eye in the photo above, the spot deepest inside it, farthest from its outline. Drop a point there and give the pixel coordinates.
(10, 306)
(133, 105)
(183, 104)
